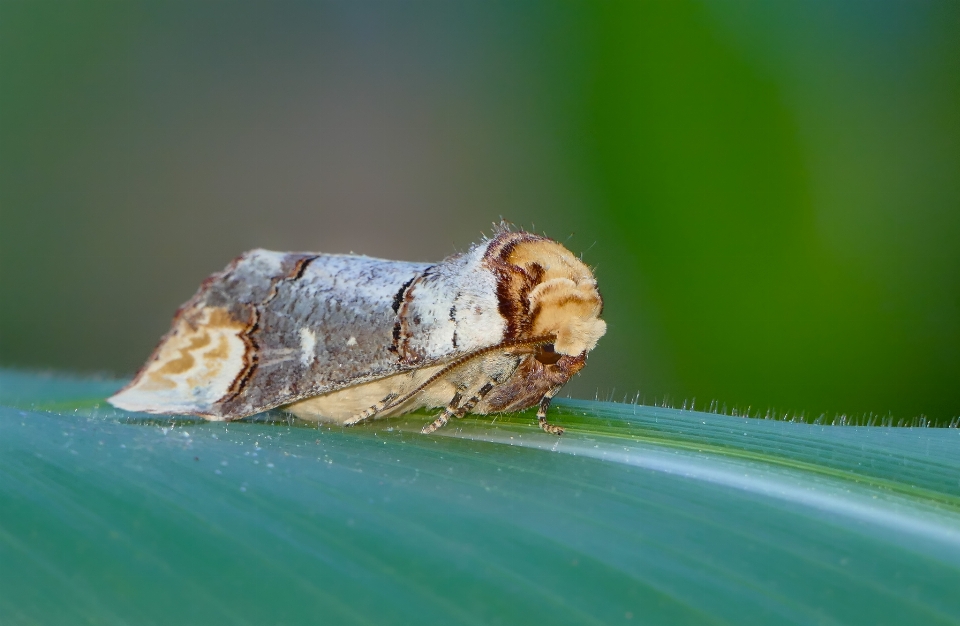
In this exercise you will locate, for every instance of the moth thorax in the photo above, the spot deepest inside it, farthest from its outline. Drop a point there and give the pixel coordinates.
(565, 302)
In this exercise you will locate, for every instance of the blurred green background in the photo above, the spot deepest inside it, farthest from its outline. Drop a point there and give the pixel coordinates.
(770, 192)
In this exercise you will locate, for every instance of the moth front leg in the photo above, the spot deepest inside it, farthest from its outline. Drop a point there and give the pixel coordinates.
(542, 412)
(453, 410)
(474, 400)
(449, 411)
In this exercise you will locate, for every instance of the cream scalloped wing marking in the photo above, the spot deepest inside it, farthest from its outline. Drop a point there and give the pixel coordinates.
(193, 368)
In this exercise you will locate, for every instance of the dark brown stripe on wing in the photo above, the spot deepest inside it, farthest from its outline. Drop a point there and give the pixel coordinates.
(401, 333)
(513, 282)
(251, 355)
(397, 301)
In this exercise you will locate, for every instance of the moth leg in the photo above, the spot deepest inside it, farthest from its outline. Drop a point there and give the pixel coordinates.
(474, 400)
(367, 414)
(542, 413)
(452, 410)
(449, 411)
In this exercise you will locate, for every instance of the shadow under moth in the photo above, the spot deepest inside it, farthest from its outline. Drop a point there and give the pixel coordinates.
(344, 338)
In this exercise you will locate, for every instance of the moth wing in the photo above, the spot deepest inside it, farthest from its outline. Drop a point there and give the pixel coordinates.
(271, 329)
(194, 366)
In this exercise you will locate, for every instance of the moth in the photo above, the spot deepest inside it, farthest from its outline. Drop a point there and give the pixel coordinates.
(344, 338)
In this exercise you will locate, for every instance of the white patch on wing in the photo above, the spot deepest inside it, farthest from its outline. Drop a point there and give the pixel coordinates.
(352, 341)
(192, 369)
(460, 303)
(308, 344)
(479, 322)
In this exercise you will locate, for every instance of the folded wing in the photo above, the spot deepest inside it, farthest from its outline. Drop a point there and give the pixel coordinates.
(273, 328)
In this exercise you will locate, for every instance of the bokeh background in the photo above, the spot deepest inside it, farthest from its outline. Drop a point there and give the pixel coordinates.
(770, 192)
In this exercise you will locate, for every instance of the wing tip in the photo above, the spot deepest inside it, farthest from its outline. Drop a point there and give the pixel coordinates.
(140, 401)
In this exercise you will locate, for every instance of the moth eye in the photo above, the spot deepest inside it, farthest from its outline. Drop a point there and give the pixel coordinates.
(546, 355)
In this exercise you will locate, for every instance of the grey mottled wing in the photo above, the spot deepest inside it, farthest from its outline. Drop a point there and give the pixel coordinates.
(273, 328)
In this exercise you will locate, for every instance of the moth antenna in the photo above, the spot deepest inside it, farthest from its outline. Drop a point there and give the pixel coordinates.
(370, 412)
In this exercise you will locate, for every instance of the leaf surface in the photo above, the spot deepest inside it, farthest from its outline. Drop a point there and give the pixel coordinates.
(636, 515)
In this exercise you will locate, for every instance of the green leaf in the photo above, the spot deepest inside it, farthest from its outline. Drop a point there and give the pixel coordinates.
(636, 515)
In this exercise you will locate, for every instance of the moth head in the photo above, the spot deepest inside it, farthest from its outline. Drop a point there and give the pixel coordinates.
(562, 300)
